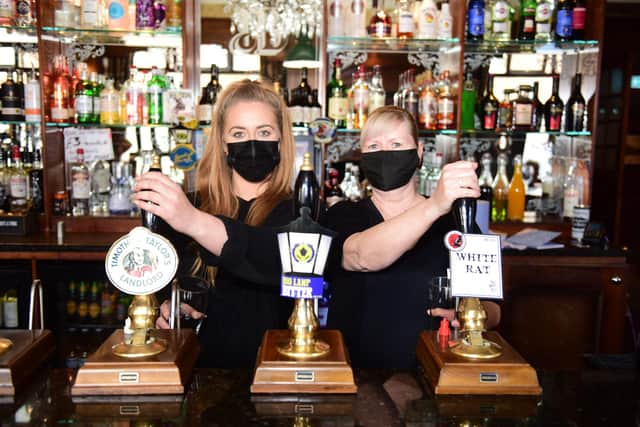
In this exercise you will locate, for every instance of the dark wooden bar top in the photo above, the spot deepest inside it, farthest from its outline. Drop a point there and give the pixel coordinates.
(221, 398)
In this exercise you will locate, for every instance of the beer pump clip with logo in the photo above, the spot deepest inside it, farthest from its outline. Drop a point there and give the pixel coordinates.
(303, 359)
(480, 362)
(139, 359)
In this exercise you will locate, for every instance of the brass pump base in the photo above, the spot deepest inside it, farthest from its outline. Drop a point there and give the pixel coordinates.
(130, 351)
(316, 349)
(5, 345)
(486, 350)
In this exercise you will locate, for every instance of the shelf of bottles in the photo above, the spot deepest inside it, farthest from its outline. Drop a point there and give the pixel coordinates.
(134, 38)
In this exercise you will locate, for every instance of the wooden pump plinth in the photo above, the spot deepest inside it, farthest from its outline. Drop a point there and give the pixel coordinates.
(27, 351)
(448, 373)
(104, 373)
(277, 373)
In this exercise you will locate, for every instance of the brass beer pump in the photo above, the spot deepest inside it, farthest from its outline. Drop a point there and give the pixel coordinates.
(470, 312)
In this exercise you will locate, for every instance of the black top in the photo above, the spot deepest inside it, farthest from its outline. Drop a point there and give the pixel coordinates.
(245, 300)
(382, 313)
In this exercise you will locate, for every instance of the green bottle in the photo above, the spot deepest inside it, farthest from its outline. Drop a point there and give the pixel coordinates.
(527, 30)
(155, 89)
(337, 101)
(84, 98)
(468, 101)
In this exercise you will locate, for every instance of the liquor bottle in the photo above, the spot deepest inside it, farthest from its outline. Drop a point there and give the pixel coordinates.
(527, 29)
(134, 96)
(380, 23)
(208, 98)
(337, 101)
(32, 109)
(489, 107)
(332, 191)
(411, 95)
(10, 308)
(109, 105)
(538, 109)
(25, 13)
(377, 95)
(18, 184)
(303, 91)
(446, 104)
(94, 302)
(553, 108)
(7, 12)
(80, 185)
(582, 174)
(83, 303)
(145, 15)
(543, 20)
(428, 20)
(119, 15)
(500, 191)
(523, 109)
(500, 20)
(445, 22)
(360, 98)
(174, 14)
(467, 119)
(505, 112)
(475, 21)
(306, 189)
(356, 19)
(155, 90)
(337, 17)
(316, 108)
(36, 181)
(516, 199)
(11, 106)
(72, 301)
(89, 13)
(485, 180)
(61, 91)
(84, 98)
(150, 220)
(428, 105)
(564, 20)
(97, 85)
(574, 116)
(434, 175)
(579, 18)
(571, 191)
(405, 19)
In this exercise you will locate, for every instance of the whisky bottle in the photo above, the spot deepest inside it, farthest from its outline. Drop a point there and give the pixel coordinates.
(306, 189)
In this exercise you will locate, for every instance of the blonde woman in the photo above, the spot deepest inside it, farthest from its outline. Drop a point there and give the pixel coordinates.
(391, 245)
(243, 177)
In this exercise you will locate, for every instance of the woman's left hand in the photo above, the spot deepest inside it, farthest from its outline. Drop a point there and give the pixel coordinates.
(168, 201)
(447, 313)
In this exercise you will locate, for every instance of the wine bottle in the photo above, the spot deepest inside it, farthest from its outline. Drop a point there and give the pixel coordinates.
(489, 106)
(208, 99)
(306, 189)
(151, 220)
(553, 108)
(574, 117)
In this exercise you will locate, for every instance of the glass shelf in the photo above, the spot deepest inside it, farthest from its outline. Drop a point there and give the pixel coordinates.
(515, 133)
(391, 45)
(18, 122)
(421, 132)
(524, 46)
(135, 38)
(11, 34)
(100, 125)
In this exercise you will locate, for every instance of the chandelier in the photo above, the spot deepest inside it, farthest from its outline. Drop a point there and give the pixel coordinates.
(277, 19)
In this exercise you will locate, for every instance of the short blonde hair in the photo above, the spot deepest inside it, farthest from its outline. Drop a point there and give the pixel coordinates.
(383, 117)
(213, 180)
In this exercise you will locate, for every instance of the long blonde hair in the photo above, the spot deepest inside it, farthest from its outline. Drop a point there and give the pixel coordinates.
(213, 179)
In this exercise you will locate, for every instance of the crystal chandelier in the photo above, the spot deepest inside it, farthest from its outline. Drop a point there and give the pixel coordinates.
(276, 18)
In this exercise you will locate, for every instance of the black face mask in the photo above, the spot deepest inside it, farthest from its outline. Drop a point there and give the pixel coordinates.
(388, 170)
(254, 160)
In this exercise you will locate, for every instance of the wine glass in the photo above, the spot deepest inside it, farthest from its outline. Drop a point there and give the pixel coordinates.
(194, 292)
(439, 294)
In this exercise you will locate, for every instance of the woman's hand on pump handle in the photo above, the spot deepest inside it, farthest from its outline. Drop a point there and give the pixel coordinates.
(162, 322)
(447, 313)
(457, 180)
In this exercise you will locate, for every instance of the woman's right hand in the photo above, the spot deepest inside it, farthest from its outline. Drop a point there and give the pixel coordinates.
(162, 322)
(457, 180)
(168, 201)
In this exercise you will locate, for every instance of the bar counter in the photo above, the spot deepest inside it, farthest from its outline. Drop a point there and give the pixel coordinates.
(221, 397)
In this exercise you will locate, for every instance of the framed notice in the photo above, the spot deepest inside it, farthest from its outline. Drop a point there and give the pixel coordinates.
(476, 265)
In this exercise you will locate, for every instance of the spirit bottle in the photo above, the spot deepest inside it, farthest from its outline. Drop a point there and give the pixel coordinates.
(428, 20)
(574, 118)
(538, 109)
(446, 104)
(501, 20)
(109, 105)
(579, 18)
(61, 91)
(553, 108)
(306, 189)
(380, 23)
(467, 121)
(523, 109)
(489, 107)
(155, 90)
(84, 98)
(18, 184)
(485, 181)
(515, 204)
(377, 95)
(208, 98)
(543, 20)
(428, 106)
(527, 20)
(360, 97)
(405, 19)
(564, 20)
(475, 20)
(411, 95)
(500, 191)
(80, 185)
(337, 102)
